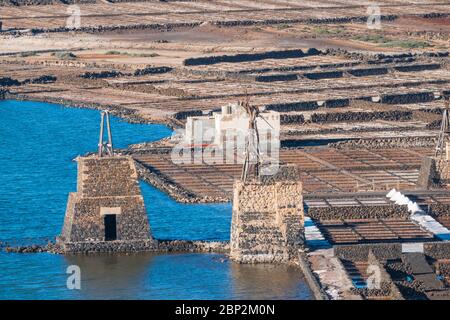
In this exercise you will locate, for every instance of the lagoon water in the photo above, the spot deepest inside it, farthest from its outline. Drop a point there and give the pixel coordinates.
(38, 142)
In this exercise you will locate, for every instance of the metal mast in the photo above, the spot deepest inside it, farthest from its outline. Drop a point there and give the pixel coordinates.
(440, 151)
(105, 148)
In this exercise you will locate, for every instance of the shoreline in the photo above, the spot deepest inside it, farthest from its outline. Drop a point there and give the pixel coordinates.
(128, 115)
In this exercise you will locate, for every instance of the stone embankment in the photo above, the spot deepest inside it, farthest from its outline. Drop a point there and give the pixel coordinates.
(163, 246)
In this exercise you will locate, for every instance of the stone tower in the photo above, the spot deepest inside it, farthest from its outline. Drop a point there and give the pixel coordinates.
(107, 212)
(268, 220)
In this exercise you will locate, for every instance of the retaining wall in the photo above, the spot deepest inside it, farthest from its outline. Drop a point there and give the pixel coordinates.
(8, 82)
(324, 75)
(360, 116)
(388, 251)
(293, 106)
(277, 77)
(384, 143)
(358, 212)
(245, 57)
(292, 118)
(102, 74)
(368, 72)
(152, 70)
(408, 98)
(185, 114)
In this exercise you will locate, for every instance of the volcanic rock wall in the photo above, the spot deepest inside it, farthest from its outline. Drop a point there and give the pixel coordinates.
(358, 212)
(267, 223)
(243, 57)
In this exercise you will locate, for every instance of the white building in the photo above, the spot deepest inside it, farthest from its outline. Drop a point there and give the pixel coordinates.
(231, 123)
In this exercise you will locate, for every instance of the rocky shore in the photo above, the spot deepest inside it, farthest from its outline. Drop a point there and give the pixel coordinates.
(162, 246)
(131, 116)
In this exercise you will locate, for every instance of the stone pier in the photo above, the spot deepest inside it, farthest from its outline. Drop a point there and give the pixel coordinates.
(107, 213)
(267, 223)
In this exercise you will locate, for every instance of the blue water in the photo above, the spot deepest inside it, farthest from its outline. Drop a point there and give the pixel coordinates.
(38, 142)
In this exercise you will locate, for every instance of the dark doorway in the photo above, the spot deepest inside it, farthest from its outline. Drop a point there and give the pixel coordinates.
(110, 227)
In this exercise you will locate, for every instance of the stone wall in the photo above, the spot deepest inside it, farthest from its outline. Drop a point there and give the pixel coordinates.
(243, 57)
(107, 185)
(437, 250)
(387, 286)
(389, 251)
(8, 82)
(267, 223)
(293, 106)
(360, 252)
(408, 98)
(385, 143)
(442, 173)
(292, 118)
(439, 209)
(395, 115)
(358, 212)
(151, 70)
(324, 75)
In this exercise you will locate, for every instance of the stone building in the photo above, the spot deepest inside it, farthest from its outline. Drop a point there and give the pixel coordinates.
(107, 212)
(231, 122)
(268, 220)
